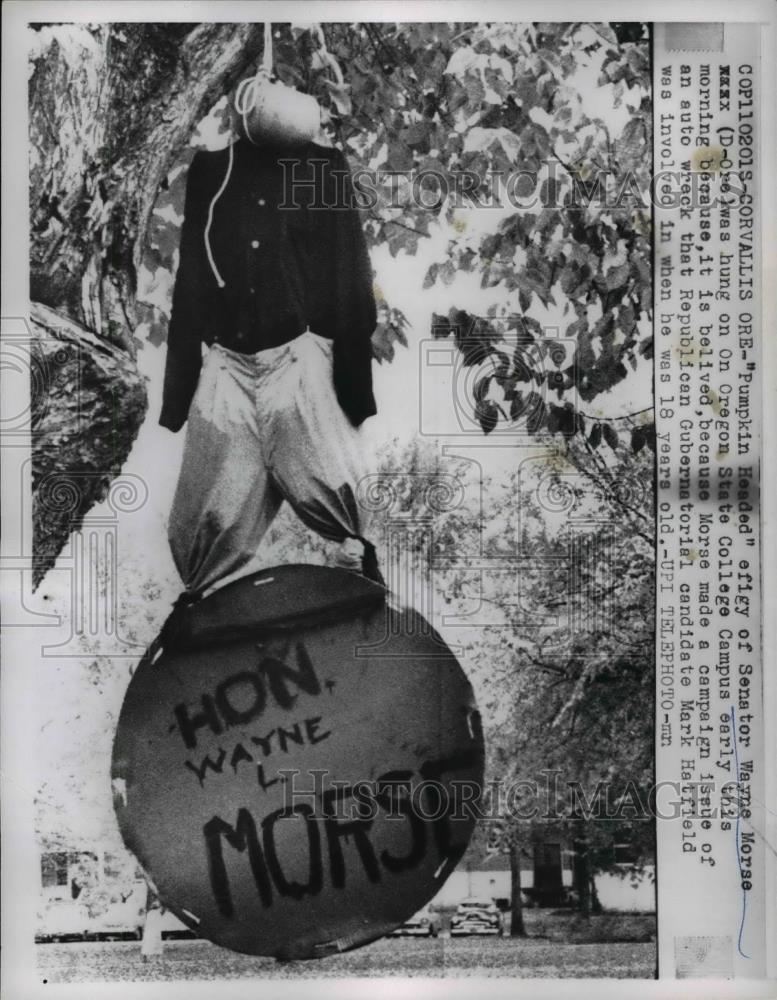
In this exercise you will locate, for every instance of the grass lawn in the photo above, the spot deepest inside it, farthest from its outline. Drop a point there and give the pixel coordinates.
(441, 957)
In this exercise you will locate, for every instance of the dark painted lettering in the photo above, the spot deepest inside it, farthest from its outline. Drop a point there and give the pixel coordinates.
(190, 724)
(295, 735)
(392, 796)
(431, 772)
(264, 742)
(206, 765)
(295, 890)
(391, 792)
(280, 674)
(393, 786)
(238, 754)
(417, 850)
(243, 697)
(311, 727)
(241, 836)
(263, 783)
(336, 832)
(363, 794)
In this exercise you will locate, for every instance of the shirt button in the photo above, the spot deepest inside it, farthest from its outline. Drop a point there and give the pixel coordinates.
(255, 244)
(261, 202)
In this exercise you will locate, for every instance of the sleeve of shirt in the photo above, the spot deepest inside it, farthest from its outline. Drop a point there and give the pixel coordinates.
(355, 314)
(185, 330)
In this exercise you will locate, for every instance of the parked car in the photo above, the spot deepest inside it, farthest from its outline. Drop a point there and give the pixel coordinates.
(121, 920)
(477, 915)
(62, 920)
(422, 924)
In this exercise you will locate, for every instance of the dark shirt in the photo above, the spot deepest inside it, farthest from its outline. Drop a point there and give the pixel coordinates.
(285, 268)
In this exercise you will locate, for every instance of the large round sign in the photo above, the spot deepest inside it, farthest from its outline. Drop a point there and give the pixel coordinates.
(295, 767)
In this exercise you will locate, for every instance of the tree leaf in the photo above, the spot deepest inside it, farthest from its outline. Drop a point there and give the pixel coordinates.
(382, 343)
(341, 96)
(441, 326)
(431, 275)
(417, 136)
(522, 371)
(610, 436)
(487, 415)
(517, 407)
(617, 277)
(481, 388)
(637, 439)
(537, 415)
(400, 156)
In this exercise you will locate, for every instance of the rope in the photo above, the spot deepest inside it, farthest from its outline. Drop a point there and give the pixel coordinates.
(267, 51)
(245, 101)
(248, 92)
(326, 56)
(219, 280)
(246, 98)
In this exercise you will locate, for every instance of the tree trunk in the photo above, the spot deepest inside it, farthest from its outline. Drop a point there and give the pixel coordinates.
(582, 874)
(517, 928)
(596, 905)
(111, 105)
(88, 400)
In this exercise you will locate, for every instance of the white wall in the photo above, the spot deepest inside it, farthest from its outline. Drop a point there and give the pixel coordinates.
(618, 893)
(626, 892)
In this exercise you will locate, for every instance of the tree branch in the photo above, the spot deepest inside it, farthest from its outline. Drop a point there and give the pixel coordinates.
(395, 222)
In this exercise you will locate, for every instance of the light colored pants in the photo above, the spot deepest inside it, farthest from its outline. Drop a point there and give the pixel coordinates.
(262, 428)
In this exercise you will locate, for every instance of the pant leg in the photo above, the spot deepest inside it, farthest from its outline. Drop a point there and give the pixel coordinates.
(224, 501)
(313, 451)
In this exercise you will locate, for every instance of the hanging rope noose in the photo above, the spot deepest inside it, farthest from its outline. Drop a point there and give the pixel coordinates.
(219, 280)
(327, 58)
(246, 97)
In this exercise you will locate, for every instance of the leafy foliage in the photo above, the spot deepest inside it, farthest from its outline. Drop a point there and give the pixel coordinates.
(437, 111)
(462, 102)
(585, 708)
